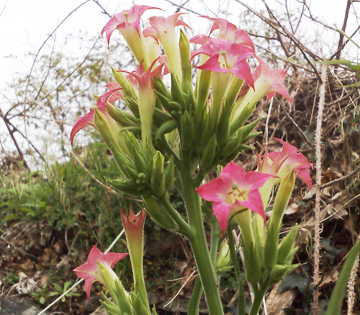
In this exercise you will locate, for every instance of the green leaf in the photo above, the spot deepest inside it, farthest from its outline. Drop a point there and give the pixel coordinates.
(338, 293)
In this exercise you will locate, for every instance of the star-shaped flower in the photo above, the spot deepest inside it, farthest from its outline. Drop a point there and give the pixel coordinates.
(89, 270)
(234, 190)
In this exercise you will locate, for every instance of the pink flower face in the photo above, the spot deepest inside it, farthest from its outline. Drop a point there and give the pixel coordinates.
(282, 162)
(226, 56)
(234, 190)
(88, 119)
(126, 20)
(89, 270)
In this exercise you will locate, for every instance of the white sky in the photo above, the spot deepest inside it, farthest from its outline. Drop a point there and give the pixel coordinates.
(25, 24)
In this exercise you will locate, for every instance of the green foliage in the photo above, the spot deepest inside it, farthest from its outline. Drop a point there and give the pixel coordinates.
(60, 290)
(66, 196)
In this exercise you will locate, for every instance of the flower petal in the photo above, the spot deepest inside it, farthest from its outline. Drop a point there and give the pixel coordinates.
(254, 203)
(222, 212)
(81, 122)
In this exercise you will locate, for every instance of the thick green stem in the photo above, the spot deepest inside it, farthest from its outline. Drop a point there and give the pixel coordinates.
(259, 296)
(193, 308)
(198, 241)
(214, 243)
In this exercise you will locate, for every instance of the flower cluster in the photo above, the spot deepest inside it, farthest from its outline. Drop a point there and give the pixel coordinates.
(225, 56)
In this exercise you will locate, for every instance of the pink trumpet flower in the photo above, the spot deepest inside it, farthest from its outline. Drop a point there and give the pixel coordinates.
(90, 271)
(268, 82)
(126, 21)
(226, 56)
(234, 190)
(163, 27)
(282, 162)
(88, 119)
(163, 30)
(146, 96)
(229, 31)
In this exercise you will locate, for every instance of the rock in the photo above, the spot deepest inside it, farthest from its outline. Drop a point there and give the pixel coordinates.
(17, 306)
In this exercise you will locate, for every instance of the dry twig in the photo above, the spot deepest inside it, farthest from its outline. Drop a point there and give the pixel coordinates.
(316, 277)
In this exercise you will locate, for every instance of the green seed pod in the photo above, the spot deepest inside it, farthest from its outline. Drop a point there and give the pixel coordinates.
(187, 131)
(248, 110)
(157, 176)
(160, 116)
(124, 83)
(127, 186)
(209, 152)
(278, 272)
(170, 173)
(184, 46)
(167, 127)
(123, 118)
(245, 130)
(231, 146)
(287, 245)
(132, 103)
(158, 213)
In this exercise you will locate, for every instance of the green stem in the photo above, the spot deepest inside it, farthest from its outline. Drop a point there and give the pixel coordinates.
(241, 296)
(198, 240)
(214, 243)
(193, 307)
(183, 226)
(165, 146)
(259, 296)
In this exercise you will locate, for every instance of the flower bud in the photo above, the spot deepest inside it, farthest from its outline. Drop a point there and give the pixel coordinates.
(278, 272)
(223, 258)
(287, 245)
(185, 62)
(209, 153)
(158, 213)
(157, 175)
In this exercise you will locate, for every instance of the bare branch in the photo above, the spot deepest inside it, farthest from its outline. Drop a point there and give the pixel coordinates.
(43, 44)
(341, 39)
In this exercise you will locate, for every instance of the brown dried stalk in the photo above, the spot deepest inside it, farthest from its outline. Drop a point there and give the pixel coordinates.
(351, 286)
(316, 277)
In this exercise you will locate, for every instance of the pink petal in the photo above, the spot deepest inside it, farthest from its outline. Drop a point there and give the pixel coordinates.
(133, 224)
(254, 203)
(232, 170)
(215, 190)
(255, 180)
(200, 39)
(95, 255)
(222, 212)
(230, 31)
(112, 85)
(88, 283)
(81, 122)
(305, 176)
(125, 19)
(242, 71)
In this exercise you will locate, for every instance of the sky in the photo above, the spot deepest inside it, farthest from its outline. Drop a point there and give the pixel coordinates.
(25, 27)
(26, 24)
